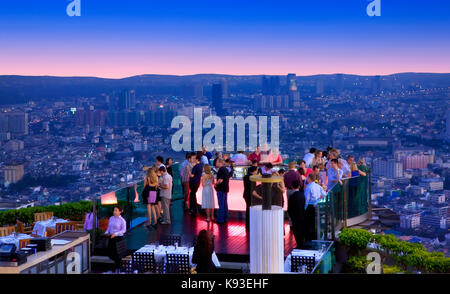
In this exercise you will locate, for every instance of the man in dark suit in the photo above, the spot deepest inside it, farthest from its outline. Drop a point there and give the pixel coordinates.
(296, 211)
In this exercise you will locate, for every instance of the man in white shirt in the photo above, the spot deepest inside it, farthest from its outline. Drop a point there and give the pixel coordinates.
(308, 158)
(166, 194)
(313, 191)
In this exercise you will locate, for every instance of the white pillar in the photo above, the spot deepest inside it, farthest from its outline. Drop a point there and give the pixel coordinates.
(266, 240)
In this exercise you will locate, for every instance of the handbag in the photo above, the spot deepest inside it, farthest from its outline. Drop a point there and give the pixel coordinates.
(151, 196)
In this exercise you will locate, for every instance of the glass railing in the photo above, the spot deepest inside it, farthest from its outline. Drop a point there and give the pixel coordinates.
(345, 205)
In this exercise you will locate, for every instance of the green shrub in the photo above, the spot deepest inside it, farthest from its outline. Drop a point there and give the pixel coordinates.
(357, 264)
(356, 239)
(73, 211)
(391, 269)
(405, 253)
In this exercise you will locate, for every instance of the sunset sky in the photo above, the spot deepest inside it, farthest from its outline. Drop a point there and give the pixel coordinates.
(123, 38)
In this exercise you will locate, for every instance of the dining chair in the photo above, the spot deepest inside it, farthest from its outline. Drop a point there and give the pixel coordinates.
(6, 231)
(62, 227)
(23, 243)
(144, 262)
(20, 227)
(298, 261)
(177, 263)
(42, 216)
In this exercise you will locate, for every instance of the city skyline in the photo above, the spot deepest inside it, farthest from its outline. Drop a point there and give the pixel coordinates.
(239, 38)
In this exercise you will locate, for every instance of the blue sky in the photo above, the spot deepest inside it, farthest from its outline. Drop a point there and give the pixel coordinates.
(120, 38)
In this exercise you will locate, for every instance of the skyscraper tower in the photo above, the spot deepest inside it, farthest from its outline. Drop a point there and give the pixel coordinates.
(291, 82)
(224, 83)
(271, 85)
(14, 122)
(127, 100)
(217, 98)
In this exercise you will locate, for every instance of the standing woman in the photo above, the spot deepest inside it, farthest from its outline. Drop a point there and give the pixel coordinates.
(116, 228)
(318, 158)
(150, 184)
(208, 193)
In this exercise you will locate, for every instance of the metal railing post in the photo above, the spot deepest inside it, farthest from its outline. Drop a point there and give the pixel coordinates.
(344, 203)
(94, 220)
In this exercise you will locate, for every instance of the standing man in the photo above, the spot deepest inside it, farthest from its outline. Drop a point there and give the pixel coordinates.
(159, 161)
(194, 183)
(185, 169)
(313, 194)
(296, 211)
(222, 191)
(334, 174)
(290, 177)
(252, 170)
(166, 194)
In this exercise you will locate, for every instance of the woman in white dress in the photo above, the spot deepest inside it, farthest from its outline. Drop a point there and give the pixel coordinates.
(208, 192)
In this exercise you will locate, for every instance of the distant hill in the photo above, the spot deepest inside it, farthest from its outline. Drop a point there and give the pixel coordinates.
(20, 89)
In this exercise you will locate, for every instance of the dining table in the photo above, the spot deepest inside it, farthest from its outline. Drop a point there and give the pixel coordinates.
(14, 238)
(160, 252)
(41, 227)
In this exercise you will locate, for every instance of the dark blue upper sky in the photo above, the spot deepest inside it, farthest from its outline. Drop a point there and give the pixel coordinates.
(119, 38)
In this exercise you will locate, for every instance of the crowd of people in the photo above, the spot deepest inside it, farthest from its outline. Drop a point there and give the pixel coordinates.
(307, 181)
(304, 183)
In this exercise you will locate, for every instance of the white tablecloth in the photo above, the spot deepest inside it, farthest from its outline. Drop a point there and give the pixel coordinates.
(11, 239)
(40, 227)
(160, 252)
(300, 252)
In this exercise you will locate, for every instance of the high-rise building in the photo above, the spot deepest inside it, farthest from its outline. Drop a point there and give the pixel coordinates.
(13, 173)
(294, 99)
(217, 98)
(389, 168)
(410, 221)
(127, 100)
(224, 83)
(291, 82)
(415, 158)
(14, 122)
(271, 85)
